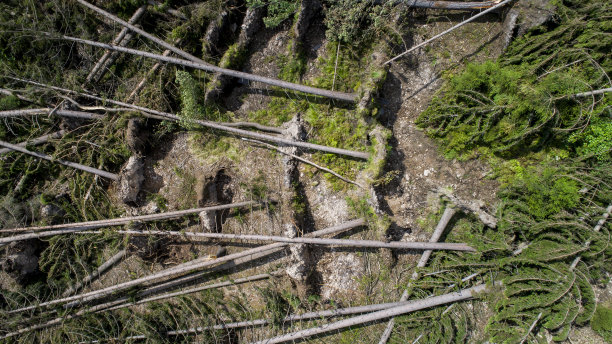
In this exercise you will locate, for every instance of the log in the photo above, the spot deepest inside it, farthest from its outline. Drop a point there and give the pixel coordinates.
(490, 9)
(448, 5)
(97, 273)
(74, 165)
(347, 97)
(317, 241)
(101, 62)
(413, 306)
(142, 32)
(243, 133)
(44, 111)
(254, 278)
(37, 141)
(125, 220)
(195, 264)
(446, 217)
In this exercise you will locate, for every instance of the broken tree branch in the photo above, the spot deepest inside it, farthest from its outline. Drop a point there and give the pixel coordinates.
(88, 169)
(490, 9)
(446, 217)
(37, 141)
(533, 325)
(213, 125)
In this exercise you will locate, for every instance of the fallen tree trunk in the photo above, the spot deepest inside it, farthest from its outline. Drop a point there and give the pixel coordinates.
(348, 97)
(195, 264)
(446, 217)
(142, 32)
(97, 273)
(44, 111)
(88, 169)
(36, 141)
(302, 240)
(120, 37)
(448, 5)
(125, 220)
(243, 133)
(490, 9)
(194, 277)
(413, 306)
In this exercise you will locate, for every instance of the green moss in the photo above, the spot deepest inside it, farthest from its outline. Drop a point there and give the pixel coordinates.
(602, 322)
(9, 103)
(234, 57)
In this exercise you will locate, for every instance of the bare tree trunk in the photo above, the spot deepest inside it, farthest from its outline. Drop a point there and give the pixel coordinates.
(491, 9)
(243, 133)
(142, 32)
(144, 80)
(348, 97)
(37, 141)
(413, 306)
(336, 242)
(88, 169)
(97, 273)
(44, 111)
(446, 217)
(120, 37)
(448, 5)
(125, 220)
(195, 264)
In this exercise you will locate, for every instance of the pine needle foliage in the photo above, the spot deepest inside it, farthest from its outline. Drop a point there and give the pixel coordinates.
(523, 101)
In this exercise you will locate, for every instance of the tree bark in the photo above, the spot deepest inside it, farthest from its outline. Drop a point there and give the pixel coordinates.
(44, 111)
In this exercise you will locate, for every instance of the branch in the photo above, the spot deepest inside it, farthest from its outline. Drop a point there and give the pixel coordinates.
(448, 5)
(491, 9)
(88, 169)
(597, 228)
(533, 325)
(592, 93)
